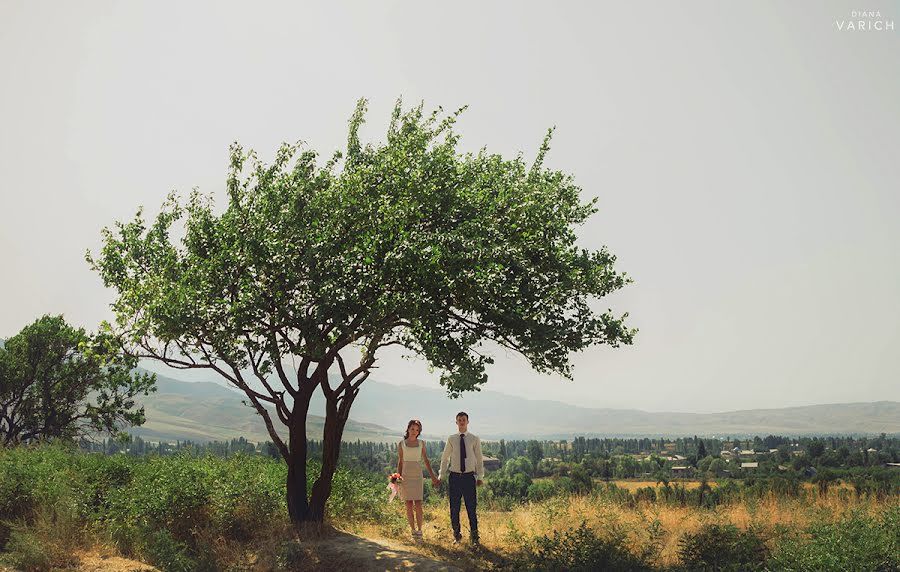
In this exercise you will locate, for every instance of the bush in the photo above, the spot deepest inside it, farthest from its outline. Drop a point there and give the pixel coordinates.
(166, 493)
(860, 543)
(542, 490)
(33, 477)
(645, 494)
(358, 496)
(723, 547)
(578, 550)
(168, 554)
(172, 510)
(513, 487)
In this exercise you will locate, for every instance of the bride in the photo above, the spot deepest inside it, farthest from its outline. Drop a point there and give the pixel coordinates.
(412, 455)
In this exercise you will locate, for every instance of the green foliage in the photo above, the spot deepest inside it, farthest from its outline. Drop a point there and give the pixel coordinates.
(58, 382)
(577, 550)
(172, 493)
(164, 509)
(410, 242)
(29, 553)
(859, 542)
(33, 478)
(518, 465)
(513, 487)
(360, 496)
(165, 552)
(542, 490)
(723, 548)
(535, 453)
(582, 483)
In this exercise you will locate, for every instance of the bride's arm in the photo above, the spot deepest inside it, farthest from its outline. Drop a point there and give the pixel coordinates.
(400, 459)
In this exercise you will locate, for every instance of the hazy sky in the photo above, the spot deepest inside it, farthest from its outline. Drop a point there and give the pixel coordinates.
(745, 155)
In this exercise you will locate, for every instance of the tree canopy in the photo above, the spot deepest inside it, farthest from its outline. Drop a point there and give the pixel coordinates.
(407, 243)
(58, 382)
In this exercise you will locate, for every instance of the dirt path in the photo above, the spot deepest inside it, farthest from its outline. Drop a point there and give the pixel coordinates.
(338, 552)
(92, 562)
(344, 551)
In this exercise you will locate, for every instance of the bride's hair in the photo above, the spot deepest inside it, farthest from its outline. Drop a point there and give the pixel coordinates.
(410, 424)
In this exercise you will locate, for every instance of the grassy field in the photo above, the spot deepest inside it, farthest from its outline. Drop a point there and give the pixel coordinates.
(652, 530)
(184, 514)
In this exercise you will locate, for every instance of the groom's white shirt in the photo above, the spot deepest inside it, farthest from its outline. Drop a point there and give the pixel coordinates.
(474, 459)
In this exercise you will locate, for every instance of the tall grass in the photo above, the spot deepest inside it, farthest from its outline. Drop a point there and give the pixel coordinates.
(202, 514)
(178, 512)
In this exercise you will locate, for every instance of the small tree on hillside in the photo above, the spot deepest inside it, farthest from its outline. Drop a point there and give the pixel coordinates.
(535, 453)
(58, 382)
(408, 243)
(701, 450)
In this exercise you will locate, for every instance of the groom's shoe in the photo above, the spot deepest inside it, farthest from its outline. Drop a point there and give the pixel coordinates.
(475, 541)
(457, 539)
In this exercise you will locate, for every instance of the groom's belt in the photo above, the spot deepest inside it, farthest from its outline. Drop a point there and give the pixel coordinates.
(458, 473)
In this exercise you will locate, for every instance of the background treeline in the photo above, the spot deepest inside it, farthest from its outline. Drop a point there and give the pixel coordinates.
(368, 455)
(602, 458)
(847, 449)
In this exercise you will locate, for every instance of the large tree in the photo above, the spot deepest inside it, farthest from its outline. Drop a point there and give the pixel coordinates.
(58, 382)
(406, 243)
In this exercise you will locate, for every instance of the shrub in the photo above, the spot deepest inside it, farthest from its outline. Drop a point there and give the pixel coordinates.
(513, 487)
(541, 490)
(723, 547)
(645, 494)
(170, 493)
(168, 554)
(578, 550)
(860, 543)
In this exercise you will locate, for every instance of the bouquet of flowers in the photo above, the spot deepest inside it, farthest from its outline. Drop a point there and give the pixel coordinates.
(394, 485)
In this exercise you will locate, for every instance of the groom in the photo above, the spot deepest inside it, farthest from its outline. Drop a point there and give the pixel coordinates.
(463, 455)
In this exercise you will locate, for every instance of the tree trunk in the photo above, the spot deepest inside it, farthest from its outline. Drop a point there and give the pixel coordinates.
(335, 419)
(298, 507)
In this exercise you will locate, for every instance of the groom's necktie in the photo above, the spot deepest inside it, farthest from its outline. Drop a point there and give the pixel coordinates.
(462, 453)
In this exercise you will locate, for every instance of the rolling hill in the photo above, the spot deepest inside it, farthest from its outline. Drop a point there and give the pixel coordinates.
(204, 411)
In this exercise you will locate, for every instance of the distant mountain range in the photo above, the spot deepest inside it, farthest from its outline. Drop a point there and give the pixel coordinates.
(208, 410)
(204, 411)
(496, 415)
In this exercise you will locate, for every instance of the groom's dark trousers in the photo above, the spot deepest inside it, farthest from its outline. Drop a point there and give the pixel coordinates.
(462, 487)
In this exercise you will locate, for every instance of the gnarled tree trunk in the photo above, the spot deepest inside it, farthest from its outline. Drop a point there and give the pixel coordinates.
(335, 420)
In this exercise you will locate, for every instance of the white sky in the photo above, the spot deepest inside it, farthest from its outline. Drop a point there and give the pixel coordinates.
(745, 156)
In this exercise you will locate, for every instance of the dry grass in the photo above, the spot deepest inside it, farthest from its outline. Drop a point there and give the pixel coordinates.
(632, 486)
(651, 529)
